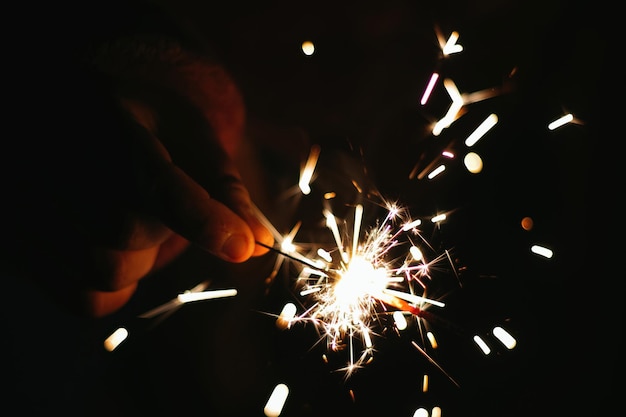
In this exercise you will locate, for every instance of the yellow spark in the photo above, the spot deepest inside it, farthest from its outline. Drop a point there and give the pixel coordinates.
(451, 47)
(113, 341)
(540, 250)
(560, 121)
(187, 297)
(505, 337)
(436, 171)
(276, 401)
(308, 48)
(482, 345)
(309, 168)
(400, 320)
(473, 162)
(480, 131)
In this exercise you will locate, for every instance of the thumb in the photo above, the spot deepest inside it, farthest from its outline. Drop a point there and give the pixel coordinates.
(188, 209)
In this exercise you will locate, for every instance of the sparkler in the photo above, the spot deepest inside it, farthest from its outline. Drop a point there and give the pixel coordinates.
(365, 280)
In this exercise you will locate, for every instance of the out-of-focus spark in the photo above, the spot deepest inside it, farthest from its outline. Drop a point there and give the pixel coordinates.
(286, 316)
(436, 171)
(421, 412)
(541, 250)
(476, 96)
(453, 110)
(205, 295)
(171, 306)
(480, 131)
(482, 345)
(451, 47)
(429, 88)
(425, 383)
(473, 162)
(308, 169)
(438, 218)
(436, 412)
(505, 337)
(527, 223)
(560, 121)
(400, 320)
(447, 154)
(113, 341)
(308, 48)
(276, 401)
(411, 225)
(432, 340)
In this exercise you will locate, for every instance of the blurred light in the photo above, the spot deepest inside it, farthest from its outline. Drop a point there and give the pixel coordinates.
(325, 255)
(432, 340)
(447, 154)
(505, 337)
(425, 383)
(453, 110)
(473, 162)
(540, 250)
(188, 296)
(286, 315)
(275, 403)
(400, 320)
(308, 48)
(480, 131)
(482, 345)
(438, 218)
(307, 171)
(451, 46)
(420, 412)
(416, 253)
(436, 171)
(429, 88)
(527, 223)
(561, 121)
(117, 337)
(436, 412)
(411, 225)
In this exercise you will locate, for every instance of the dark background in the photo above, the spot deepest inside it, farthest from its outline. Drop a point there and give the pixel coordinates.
(358, 97)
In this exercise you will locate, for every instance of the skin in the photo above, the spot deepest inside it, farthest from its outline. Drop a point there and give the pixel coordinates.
(161, 179)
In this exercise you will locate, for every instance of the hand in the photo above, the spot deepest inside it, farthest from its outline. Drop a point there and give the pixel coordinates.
(143, 167)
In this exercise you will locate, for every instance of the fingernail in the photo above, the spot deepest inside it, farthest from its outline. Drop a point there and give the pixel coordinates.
(235, 247)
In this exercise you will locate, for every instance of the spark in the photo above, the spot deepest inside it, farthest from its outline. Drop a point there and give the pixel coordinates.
(560, 121)
(451, 47)
(505, 337)
(482, 345)
(436, 171)
(113, 341)
(429, 88)
(481, 130)
(205, 295)
(369, 274)
(309, 168)
(276, 401)
(541, 250)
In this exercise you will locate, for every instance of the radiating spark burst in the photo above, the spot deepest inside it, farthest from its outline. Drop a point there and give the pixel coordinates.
(353, 290)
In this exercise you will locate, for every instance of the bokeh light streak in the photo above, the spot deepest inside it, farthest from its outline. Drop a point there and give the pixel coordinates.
(541, 250)
(563, 120)
(482, 345)
(113, 341)
(481, 130)
(276, 401)
(505, 337)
